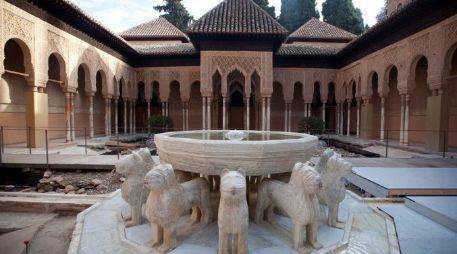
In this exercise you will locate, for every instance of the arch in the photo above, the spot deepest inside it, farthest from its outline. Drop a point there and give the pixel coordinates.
(255, 102)
(56, 98)
(418, 101)
(375, 126)
(99, 103)
(331, 111)
(298, 106)
(82, 103)
(392, 104)
(277, 108)
(14, 85)
(236, 104)
(175, 104)
(141, 107)
(451, 66)
(316, 105)
(195, 106)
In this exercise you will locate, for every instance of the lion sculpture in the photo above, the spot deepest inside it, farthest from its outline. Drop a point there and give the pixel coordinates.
(297, 199)
(168, 201)
(134, 167)
(332, 169)
(233, 218)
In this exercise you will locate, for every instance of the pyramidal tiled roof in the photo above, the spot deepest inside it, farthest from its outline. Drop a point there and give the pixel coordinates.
(237, 17)
(158, 28)
(316, 30)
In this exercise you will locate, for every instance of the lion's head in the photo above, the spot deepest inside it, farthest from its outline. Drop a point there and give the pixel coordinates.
(339, 166)
(127, 165)
(160, 178)
(305, 177)
(233, 183)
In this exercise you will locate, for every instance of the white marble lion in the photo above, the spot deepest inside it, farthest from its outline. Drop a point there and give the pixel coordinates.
(168, 201)
(297, 199)
(134, 167)
(233, 217)
(332, 169)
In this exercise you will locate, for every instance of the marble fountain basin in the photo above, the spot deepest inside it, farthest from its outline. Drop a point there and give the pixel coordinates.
(259, 153)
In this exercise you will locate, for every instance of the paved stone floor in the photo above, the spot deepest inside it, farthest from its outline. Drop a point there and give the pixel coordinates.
(100, 230)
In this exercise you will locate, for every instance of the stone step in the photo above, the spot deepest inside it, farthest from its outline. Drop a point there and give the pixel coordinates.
(440, 209)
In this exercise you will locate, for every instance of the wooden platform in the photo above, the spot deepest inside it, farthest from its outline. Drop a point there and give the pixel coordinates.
(60, 161)
(396, 181)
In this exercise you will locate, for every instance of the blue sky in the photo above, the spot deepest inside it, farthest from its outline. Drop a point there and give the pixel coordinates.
(119, 15)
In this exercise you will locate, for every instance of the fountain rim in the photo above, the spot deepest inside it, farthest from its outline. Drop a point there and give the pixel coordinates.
(300, 137)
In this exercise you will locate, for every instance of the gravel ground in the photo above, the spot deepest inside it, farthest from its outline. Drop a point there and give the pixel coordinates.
(109, 181)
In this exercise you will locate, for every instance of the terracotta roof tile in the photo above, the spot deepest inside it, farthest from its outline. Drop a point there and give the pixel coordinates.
(158, 28)
(237, 17)
(316, 30)
(306, 50)
(183, 49)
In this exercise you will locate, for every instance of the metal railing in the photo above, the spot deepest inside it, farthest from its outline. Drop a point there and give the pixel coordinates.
(17, 140)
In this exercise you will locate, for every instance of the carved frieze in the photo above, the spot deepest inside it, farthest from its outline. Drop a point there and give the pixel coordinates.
(57, 43)
(17, 27)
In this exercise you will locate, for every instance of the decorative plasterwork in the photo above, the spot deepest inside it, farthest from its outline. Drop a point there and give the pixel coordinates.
(17, 27)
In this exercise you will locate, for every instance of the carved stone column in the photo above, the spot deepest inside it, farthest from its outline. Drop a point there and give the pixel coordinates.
(406, 131)
(116, 116)
(286, 116)
(349, 119)
(323, 113)
(268, 113)
(402, 117)
(358, 118)
(107, 114)
(149, 115)
(204, 113)
(309, 109)
(72, 116)
(91, 115)
(248, 112)
(337, 129)
(183, 116)
(125, 116)
(68, 115)
(264, 120)
(383, 119)
(208, 113)
(134, 116)
(224, 113)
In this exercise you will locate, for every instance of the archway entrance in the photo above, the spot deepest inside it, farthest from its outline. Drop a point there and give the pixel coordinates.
(236, 106)
(56, 97)
(418, 104)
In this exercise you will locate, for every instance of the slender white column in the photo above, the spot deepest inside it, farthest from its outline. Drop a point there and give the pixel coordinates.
(406, 130)
(323, 113)
(107, 106)
(91, 115)
(286, 116)
(110, 132)
(149, 115)
(187, 115)
(349, 119)
(134, 116)
(264, 120)
(268, 113)
(208, 105)
(290, 117)
(116, 117)
(204, 113)
(402, 117)
(309, 109)
(358, 118)
(183, 116)
(72, 117)
(306, 109)
(383, 118)
(248, 113)
(125, 116)
(224, 113)
(337, 129)
(131, 116)
(68, 115)
(163, 108)
(167, 109)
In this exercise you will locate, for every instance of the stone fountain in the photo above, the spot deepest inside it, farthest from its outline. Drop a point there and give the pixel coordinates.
(245, 192)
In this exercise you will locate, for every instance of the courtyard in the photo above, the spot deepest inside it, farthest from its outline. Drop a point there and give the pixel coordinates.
(236, 132)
